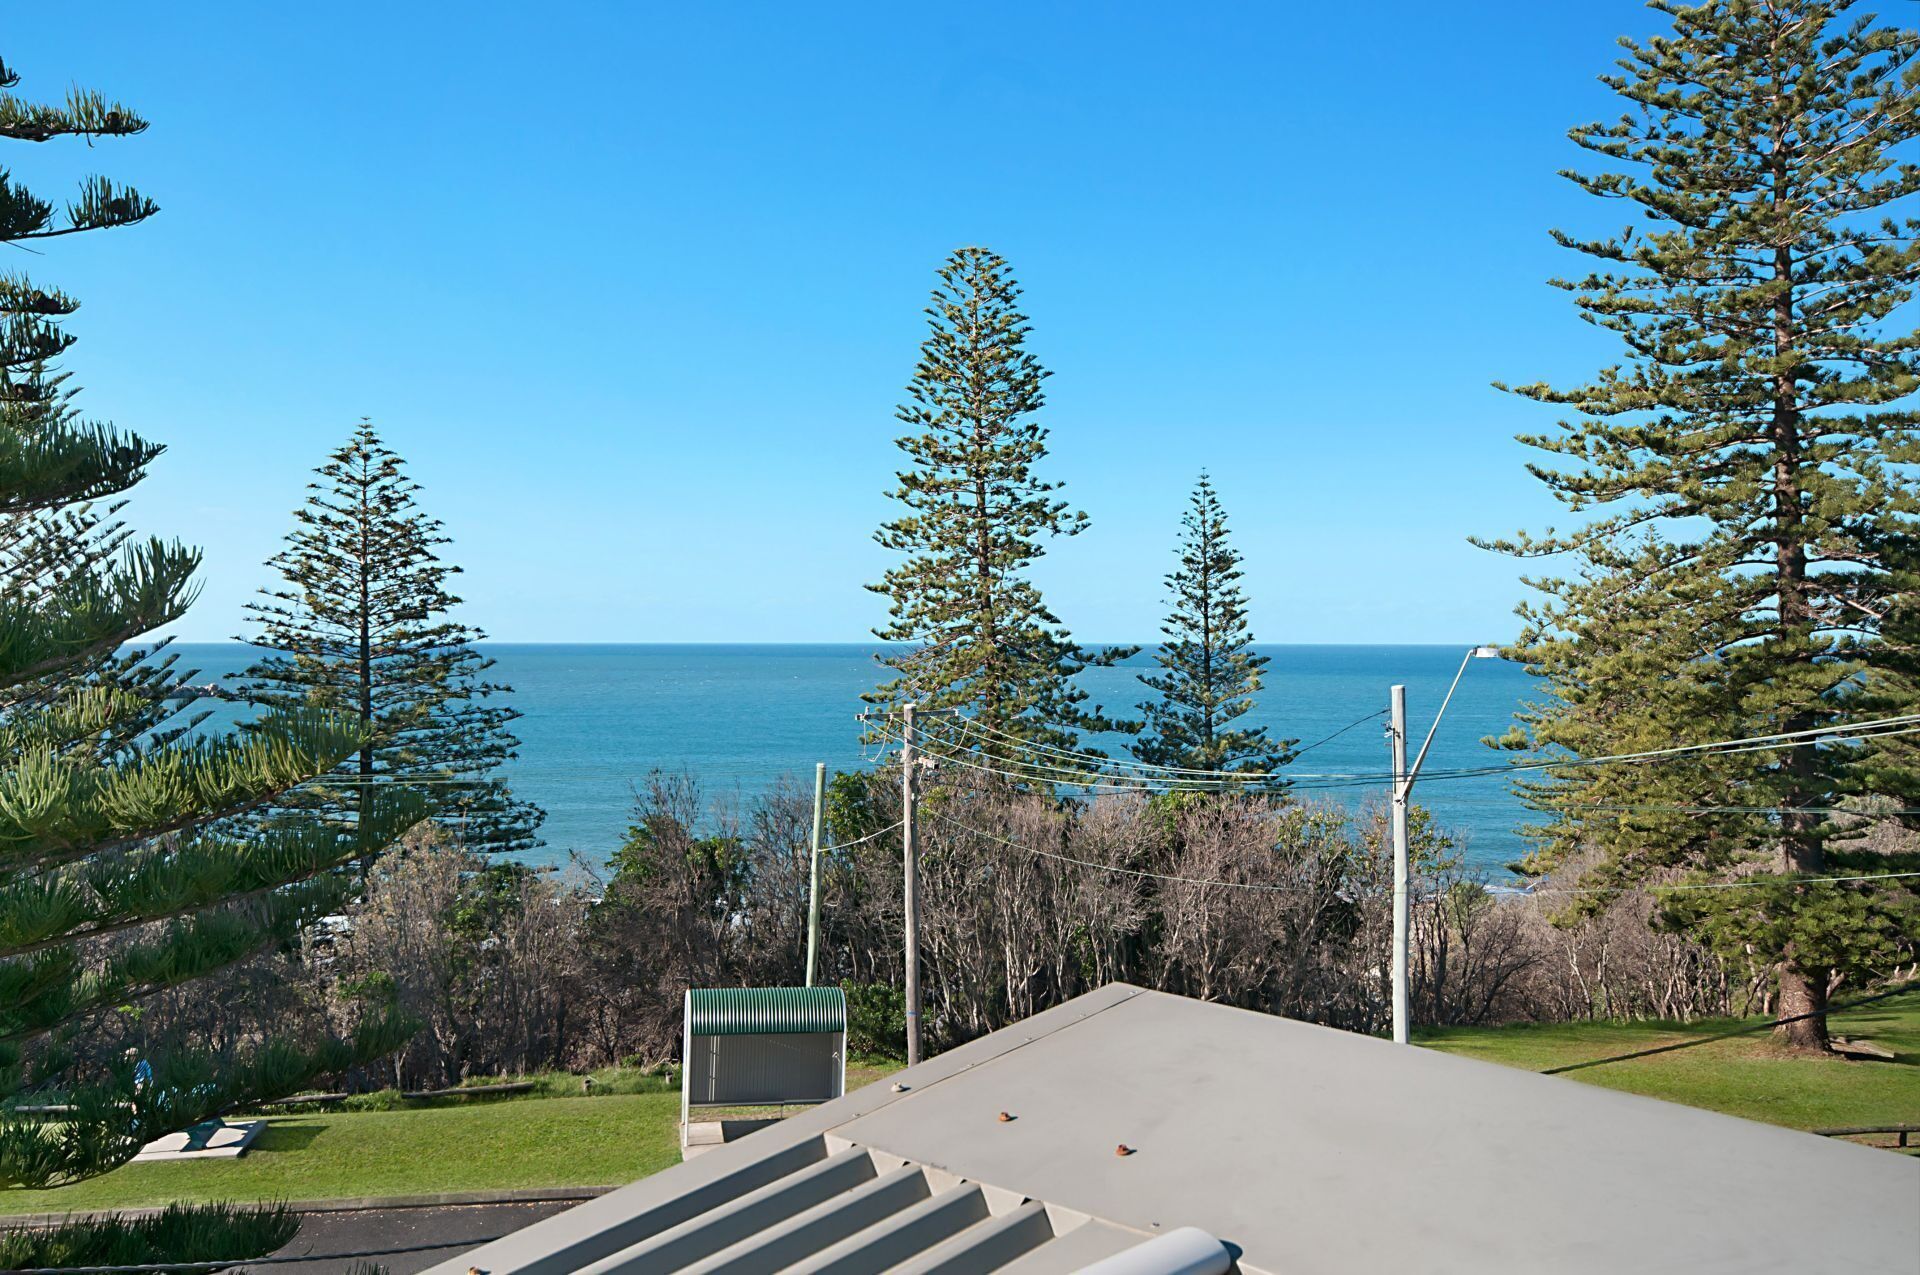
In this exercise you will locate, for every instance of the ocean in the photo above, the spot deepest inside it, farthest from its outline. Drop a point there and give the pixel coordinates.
(740, 717)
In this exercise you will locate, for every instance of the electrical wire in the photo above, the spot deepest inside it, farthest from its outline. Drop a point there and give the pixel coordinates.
(1111, 867)
(1744, 883)
(1512, 892)
(1856, 731)
(1380, 712)
(860, 841)
(1903, 812)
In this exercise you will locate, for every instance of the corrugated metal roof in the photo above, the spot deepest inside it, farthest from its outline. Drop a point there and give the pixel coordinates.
(740, 1011)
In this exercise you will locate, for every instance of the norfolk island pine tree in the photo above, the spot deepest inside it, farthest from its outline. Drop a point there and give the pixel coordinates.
(1209, 673)
(360, 625)
(976, 515)
(1742, 473)
(136, 853)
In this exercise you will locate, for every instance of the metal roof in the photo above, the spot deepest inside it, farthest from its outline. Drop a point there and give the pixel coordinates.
(1300, 1148)
(741, 1011)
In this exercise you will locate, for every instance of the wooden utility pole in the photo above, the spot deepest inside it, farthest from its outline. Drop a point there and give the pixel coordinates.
(910, 891)
(813, 876)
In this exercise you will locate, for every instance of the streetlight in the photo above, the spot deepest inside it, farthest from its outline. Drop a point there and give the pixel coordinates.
(1402, 786)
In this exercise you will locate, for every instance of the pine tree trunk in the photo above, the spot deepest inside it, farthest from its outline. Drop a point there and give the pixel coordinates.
(1803, 993)
(366, 689)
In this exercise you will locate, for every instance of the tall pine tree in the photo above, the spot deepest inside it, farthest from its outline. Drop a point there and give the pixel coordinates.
(1739, 473)
(360, 625)
(121, 874)
(1892, 686)
(1209, 673)
(977, 515)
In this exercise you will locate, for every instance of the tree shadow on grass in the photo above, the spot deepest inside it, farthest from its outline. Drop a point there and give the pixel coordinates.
(287, 1135)
(1761, 1026)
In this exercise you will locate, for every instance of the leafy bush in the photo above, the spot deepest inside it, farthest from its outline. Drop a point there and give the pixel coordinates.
(876, 1020)
(211, 1232)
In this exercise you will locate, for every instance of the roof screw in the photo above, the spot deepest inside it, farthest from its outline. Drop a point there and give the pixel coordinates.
(898, 1087)
(1123, 1149)
(1004, 1117)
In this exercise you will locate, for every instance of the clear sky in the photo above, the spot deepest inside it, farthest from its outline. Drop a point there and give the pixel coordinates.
(635, 287)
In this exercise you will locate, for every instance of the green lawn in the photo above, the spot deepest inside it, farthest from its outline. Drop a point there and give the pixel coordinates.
(1745, 1076)
(533, 1142)
(604, 1140)
(612, 1138)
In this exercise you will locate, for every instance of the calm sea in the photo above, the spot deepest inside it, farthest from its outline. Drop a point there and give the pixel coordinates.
(741, 717)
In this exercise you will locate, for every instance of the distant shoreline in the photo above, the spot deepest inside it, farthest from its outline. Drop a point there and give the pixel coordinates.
(1146, 648)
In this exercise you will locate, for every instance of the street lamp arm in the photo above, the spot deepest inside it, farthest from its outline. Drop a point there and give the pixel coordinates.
(1478, 652)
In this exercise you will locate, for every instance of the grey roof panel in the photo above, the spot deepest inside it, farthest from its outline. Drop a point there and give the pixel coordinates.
(1312, 1149)
(1084, 1245)
(986, 1245)
(1302, 1148)
(902, 1237)
(718, 1228)
(803, 1236)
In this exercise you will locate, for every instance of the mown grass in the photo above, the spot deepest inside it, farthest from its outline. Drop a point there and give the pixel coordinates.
(532, 1142)
(1747, 1075)
(627, 1127)
(558, 1136)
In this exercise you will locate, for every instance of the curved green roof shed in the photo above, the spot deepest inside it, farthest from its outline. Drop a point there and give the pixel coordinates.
(763, 1047)
(742, 1011)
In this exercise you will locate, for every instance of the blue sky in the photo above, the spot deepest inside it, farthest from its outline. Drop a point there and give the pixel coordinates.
(635, 288)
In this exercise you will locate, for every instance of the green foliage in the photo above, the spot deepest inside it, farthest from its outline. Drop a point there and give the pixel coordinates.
(215, 1232)
(850, 812)
(135, 855)
(661, 849)
(976, 516)
(360, 626)
(1891, 685)
(1740, 474)
(1858, 932)
(1208, 672)
(876, 1020)
(488, 894)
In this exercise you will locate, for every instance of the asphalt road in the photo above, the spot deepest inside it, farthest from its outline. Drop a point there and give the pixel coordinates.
(457, 1227)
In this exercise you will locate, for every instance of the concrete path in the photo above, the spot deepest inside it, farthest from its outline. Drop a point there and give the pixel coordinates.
(458, 1227)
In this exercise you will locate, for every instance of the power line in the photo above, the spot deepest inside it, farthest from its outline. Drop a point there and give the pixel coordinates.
(1111, 867)
(1361, 721)
(1071, 777)
(860, 841)
(1783, 739)
(1091, 760)
(1516, 892)
(1744, 883)
(1752, 810)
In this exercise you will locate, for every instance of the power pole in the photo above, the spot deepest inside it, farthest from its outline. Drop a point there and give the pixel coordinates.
(813, 879)
(1397, 733)
(910, 891)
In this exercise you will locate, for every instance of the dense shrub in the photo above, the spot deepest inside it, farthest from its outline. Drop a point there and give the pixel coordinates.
(1267, 904)
(876, 1020)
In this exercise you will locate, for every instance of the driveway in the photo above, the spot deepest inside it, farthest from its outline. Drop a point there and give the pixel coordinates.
(453, 1227)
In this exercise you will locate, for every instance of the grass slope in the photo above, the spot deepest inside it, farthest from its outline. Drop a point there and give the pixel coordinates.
(1744, 1076)
(534, 1142)
(613, 1138)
